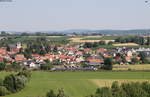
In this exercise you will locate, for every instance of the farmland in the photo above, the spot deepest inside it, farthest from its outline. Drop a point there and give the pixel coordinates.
(126, 44)
(132, 67)
(92, 39)
(75, 84)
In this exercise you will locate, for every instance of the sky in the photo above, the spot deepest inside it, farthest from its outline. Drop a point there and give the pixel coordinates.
(38, 15)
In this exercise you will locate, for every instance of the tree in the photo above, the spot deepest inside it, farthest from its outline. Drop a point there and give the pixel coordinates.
(51, 94)
(146, 87)
(83, 64)
(148, 41)
(61, 93)
(16, 66)
(3, 33)
(143, 57)
(15, 83)
(103, 92)
(86, 55)
(135, 61)
(27, 53)
(20, 82)
(134, 90)
(3, 91)
(117, 91)
(9, 83)
(46, 66)
(27, 74)
(1, 82)
(2, 66)
(107, 64)
(110, 43)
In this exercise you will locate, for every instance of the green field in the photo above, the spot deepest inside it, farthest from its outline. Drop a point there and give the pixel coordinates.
(75, 84)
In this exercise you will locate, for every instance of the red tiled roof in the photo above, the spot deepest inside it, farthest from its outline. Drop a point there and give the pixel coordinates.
(101, 50)
(35, 55)
(128, 58)
(107, 56)
(87, 50)
(70, 48)
(95, 61)
(138, 58)
(66, 57)
(20, 59)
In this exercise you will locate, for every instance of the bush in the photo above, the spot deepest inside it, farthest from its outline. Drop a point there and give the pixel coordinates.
(9, 83)
(27, 74)
(2, 66)
(3, 91)
(1, 82)
(60, 93)
(133, 89)
(15, 83)
(51, 94)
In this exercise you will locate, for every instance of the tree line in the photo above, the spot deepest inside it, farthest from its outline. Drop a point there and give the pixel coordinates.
(132, 89)
(136, 39)
(96, 44)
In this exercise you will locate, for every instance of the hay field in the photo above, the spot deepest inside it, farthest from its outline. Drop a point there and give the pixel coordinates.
(125, 44)
(132, 67)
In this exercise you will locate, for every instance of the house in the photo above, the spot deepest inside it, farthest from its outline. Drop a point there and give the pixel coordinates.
(3, 51)
(79, 53)
(106, 56)
(1, 59)
(129, 53)
(14, 46)
(35, 56)
(50, 57)
(79, 59)
(87, 51)
(101, 50)
(128, 58)
(31, 64)
(19, 58)
(95, 62)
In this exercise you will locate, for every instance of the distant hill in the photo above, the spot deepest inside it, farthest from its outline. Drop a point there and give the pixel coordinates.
(112, 32)
(88, 32)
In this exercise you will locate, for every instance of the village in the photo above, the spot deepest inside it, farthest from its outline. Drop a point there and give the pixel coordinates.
(74, 57)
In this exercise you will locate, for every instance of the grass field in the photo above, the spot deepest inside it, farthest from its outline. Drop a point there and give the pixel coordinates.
(75, 84)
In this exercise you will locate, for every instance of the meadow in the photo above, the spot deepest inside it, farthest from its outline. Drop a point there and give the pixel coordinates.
(75, 84)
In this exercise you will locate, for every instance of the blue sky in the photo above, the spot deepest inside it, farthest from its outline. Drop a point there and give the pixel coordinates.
(34, 15)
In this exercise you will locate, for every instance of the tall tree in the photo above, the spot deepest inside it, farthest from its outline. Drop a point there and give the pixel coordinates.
(108, 64)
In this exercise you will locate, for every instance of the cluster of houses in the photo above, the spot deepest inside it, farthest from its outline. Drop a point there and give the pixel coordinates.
(71, 56)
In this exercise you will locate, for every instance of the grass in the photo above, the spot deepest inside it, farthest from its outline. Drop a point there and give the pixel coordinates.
(75, 84)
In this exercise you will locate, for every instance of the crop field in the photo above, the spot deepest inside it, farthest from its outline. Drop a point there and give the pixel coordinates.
(85, 39)
(132, 67)
(75, 84)
(126, 44)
